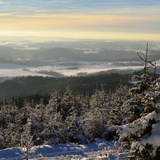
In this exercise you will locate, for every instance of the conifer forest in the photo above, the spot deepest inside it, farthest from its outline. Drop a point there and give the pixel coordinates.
(128, 113)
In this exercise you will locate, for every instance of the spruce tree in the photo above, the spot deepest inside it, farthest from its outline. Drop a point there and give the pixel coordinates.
(142, 110)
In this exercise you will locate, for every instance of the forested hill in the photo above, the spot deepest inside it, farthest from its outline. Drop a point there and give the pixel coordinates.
(9, 54)
(23, 86)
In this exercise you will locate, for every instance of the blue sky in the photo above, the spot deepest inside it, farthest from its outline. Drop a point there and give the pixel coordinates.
(70, 6)
(81, 18)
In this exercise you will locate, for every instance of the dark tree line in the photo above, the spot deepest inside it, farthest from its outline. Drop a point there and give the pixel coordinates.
(21, 88)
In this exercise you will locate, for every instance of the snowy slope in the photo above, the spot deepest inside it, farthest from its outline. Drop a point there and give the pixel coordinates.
(99, 149)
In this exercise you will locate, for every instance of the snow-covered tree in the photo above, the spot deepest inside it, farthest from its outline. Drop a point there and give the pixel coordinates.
(26, 141)
(96, 116)
(142, 128)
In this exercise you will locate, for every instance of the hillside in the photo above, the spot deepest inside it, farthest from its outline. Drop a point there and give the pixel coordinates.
(46, 56)
(23, 86)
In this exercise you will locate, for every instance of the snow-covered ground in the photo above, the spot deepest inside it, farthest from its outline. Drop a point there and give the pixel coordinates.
(100, 149)
(12, 70)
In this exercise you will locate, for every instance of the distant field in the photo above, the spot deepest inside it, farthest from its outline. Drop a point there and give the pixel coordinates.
(67, 68)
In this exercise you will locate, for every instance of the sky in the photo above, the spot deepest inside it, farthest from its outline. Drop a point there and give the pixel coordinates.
(80, 19)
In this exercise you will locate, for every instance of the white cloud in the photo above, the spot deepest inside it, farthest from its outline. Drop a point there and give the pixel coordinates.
(2, 2)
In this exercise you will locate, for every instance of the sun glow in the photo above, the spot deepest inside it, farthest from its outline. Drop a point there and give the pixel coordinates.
(80, 34)
(80, 26)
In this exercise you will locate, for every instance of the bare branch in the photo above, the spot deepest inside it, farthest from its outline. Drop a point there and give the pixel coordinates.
(146, 61)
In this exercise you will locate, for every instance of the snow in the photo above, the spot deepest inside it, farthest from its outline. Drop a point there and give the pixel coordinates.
(17, 73)
(99, 149)
(153, 139)
(145, 120)
(65, 68)
(10, 153)
(84, 67)
(13, 70)
(136, 127)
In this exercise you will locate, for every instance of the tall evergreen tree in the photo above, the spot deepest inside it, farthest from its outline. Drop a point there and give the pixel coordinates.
(142, 110)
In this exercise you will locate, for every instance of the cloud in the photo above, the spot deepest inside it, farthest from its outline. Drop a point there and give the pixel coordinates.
(73, 16)
(2, 2)
(73, 6)
(79, 20)
(80, 35)
(5, 14)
